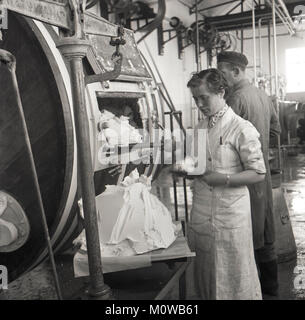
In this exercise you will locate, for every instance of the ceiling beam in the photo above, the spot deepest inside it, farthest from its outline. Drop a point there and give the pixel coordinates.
(238, 20)
(217, 5)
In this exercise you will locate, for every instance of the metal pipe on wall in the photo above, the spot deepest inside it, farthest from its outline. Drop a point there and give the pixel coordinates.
(262, 37)
(260, 43)
(270, 57)
(198, 60)
(254, 43)
(242, 31)
(276, 76)
(275, 49)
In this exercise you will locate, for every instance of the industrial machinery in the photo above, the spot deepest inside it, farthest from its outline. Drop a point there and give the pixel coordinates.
(45, 88)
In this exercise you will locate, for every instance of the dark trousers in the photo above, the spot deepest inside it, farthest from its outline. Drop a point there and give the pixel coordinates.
(265, 254)
(266, 261)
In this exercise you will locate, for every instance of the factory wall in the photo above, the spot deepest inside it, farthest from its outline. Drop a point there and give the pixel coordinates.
(175, 72)
(284, 41)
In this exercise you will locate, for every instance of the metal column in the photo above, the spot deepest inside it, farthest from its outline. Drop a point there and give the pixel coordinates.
(242, 31)
(276, 75)
(260, 43)
(75, 50)
(270, 57)
(198, 59)
(275, 49)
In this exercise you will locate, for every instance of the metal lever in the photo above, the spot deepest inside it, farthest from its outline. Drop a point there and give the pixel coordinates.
(10, 61)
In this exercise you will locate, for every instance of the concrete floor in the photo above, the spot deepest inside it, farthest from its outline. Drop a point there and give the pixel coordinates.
(38, 284)
(292, 273)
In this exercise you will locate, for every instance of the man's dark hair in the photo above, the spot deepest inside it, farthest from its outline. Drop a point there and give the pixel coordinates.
(215, 80)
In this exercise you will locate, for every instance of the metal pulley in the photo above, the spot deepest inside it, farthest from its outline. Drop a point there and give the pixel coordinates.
(210, 38)
(207, 34)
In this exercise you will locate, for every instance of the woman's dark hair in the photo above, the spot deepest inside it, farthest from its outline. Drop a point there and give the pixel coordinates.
(214, 78)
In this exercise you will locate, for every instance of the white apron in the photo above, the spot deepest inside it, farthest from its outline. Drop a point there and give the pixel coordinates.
(220, 230)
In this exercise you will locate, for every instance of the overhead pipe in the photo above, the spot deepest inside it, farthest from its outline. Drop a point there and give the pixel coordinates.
(244, 18)
(283, 5)
(283, 15)
(194, 6)
(285, 20)
(218, 5)
(262, 37)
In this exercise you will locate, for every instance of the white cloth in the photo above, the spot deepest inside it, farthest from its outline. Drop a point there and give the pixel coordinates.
(117, 131)
(143, 220)
(131, 220)
(220, 230)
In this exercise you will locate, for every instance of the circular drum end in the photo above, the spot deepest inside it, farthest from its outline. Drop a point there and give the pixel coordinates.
(13, 219)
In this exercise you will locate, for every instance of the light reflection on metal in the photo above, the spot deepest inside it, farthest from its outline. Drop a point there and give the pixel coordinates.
(60, 15)
(282, 12)
(99, 26)
(55, 13)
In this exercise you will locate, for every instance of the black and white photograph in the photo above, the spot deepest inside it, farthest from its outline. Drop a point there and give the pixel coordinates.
(152, 153)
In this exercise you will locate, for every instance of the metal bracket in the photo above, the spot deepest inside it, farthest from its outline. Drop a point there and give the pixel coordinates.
(180, 32)
(107, 76)
(77, 10)
(117, 57)
(132, 11)
(150, 27)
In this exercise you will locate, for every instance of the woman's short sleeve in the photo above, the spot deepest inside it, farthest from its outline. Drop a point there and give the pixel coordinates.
(250, 150)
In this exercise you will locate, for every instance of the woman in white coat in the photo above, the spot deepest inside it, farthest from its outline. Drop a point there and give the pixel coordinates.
(220, 229)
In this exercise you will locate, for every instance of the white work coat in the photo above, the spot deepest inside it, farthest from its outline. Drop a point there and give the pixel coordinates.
(220, 229)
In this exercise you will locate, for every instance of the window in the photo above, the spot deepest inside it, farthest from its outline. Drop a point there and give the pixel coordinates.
(295, 69)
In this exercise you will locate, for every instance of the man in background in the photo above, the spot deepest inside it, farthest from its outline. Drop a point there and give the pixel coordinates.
(255, 106)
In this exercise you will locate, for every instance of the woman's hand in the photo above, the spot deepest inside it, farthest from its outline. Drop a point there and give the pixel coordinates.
(214, 179)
